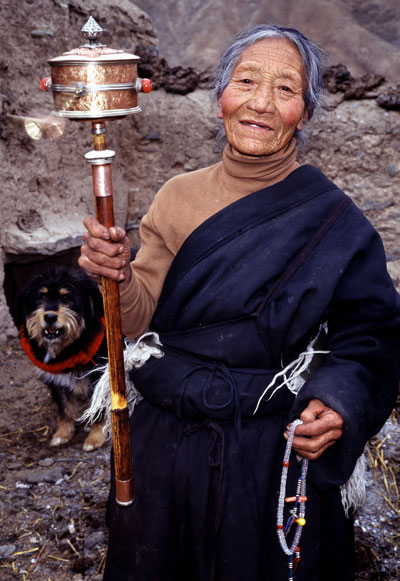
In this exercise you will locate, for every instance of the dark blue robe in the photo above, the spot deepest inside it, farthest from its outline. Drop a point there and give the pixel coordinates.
(206, 469)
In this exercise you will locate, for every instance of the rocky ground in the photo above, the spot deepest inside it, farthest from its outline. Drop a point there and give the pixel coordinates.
(52, 500)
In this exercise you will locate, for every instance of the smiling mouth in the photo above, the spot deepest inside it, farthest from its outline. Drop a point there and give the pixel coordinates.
(256, 125)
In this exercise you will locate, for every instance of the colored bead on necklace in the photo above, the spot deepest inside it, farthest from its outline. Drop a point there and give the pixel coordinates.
(297, 512)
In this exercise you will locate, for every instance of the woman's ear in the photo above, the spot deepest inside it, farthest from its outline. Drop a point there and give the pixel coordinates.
(220, 113)
(304, 119)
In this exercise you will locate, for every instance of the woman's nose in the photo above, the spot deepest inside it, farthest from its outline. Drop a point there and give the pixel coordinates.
(262, 100)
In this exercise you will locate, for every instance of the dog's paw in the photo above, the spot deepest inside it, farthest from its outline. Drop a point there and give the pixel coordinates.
(59, 441)
(64, 433)
(95, 439)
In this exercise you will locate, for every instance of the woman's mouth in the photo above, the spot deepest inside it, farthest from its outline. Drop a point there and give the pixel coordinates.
(255, 124)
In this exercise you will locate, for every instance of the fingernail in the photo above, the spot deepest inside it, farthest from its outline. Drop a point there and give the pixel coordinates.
(121, 277)
(120, 249)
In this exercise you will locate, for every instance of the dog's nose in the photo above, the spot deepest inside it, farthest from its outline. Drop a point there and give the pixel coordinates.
(50, 318)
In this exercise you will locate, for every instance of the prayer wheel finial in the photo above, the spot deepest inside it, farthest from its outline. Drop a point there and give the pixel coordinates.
(92, 31)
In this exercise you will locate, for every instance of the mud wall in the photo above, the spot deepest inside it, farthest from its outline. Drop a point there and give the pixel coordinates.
(46, 184)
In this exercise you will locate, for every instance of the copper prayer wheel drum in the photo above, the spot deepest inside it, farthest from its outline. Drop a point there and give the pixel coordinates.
(94, 81)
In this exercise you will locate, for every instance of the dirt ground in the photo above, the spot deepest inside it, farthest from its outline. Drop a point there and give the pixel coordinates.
(53, 500)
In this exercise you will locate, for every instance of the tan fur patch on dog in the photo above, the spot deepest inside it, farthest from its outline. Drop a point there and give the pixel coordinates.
(64, 433)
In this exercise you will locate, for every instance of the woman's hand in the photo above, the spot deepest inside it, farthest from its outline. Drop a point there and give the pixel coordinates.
(105, 252)
(320, 429)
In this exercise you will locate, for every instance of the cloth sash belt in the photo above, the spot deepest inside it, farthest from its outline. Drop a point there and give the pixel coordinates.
(203, 389)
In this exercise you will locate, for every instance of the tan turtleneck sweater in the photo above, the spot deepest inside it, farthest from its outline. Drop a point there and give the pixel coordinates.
(181, 205)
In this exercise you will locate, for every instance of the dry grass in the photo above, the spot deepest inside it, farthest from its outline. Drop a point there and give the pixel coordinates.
(385, 466)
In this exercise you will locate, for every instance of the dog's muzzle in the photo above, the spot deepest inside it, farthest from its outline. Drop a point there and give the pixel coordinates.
(51, 331)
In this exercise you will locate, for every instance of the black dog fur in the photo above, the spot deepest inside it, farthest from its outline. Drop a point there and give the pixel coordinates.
(62, 331)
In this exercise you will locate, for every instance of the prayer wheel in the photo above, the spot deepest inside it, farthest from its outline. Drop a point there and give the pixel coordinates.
(95, 83)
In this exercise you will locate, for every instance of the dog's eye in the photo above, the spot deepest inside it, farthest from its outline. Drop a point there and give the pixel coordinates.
(65, 298)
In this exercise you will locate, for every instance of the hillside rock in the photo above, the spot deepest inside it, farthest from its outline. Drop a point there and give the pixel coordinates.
(363, 35)
(47, 184)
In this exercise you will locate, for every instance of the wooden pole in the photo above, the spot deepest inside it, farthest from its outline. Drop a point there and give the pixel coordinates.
(100, 160)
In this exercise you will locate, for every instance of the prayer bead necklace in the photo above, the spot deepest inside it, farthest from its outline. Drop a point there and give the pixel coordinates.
(297, 513)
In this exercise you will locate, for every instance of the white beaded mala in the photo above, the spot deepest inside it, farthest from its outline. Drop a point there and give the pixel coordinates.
(297, 513)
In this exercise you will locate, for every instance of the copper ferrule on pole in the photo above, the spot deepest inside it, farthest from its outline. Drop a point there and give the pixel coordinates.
(100, 159)
(101, 174)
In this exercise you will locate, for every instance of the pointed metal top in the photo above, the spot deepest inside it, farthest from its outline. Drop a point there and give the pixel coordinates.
(91, 31)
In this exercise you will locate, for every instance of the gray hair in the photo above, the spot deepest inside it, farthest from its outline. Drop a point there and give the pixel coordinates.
(313, 58)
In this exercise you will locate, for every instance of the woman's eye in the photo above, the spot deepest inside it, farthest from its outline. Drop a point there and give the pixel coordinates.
(246, 81)
(286, 88)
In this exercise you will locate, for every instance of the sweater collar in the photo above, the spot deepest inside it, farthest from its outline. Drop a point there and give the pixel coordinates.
(248, 174)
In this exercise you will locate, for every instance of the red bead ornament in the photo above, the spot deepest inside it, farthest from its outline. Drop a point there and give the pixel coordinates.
(146, 85)
(45, 83)
(294, 498)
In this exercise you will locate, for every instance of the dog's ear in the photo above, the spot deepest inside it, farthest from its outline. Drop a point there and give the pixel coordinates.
(21, 310)
(24, 303)
(97, 301)
(92, 294)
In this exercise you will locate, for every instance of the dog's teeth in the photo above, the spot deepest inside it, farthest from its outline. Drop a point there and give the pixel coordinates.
(52, 332)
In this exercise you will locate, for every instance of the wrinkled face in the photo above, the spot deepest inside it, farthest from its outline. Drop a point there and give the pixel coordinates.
(263, 104)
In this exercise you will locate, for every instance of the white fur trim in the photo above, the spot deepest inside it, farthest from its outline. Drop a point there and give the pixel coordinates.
(354, 490)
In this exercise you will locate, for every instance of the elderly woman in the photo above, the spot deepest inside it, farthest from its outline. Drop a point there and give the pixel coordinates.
(244, 268)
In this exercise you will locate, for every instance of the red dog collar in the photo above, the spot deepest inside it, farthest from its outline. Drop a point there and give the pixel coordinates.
(71, 363)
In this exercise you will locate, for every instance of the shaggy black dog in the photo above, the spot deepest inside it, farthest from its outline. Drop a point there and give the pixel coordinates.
(62, 331)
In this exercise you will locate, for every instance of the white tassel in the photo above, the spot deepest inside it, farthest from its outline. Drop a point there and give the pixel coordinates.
(135, 355)
(295, 380)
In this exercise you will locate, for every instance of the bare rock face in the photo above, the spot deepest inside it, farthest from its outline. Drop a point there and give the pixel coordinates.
(363, 35)
(46, 184)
